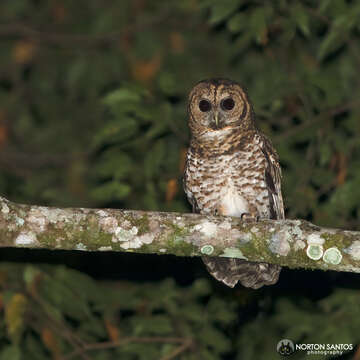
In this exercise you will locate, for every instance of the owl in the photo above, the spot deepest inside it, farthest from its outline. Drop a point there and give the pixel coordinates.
(231, 169)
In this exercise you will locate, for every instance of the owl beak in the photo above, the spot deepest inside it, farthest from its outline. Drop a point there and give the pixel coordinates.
(216, 119)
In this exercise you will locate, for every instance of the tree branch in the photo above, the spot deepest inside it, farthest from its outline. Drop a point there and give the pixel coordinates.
(292, 243)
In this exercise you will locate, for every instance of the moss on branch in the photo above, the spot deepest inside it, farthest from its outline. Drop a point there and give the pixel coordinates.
(292, 243)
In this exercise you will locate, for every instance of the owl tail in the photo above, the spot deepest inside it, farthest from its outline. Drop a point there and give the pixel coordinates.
(250, 274)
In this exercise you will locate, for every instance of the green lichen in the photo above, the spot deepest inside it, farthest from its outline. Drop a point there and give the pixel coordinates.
(14, 219)
(332, 240)
(178, 232)
(174, 246)
(177, 244)
(245, 239)
(259, 243)
(69, 236)
(252, 248)
(233, 253)
(49, 238)
(332, 256)
(314, 251)
(174, 242)
(144, 249)
(181, 247)
(296, 257)
(141, 223)
(19, 221)
(207, 249)
(93, 237)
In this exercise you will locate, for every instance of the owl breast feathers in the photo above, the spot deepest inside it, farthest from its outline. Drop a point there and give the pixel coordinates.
(231, 169)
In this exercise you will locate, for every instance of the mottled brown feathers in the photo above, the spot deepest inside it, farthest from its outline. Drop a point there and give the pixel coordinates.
(231, 169)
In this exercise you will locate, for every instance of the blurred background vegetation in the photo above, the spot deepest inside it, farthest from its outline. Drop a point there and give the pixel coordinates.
(93, 113)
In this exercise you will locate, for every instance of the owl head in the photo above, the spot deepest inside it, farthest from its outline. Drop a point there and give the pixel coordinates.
(217, 106)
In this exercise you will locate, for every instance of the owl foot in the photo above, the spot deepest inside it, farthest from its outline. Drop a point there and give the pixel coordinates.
(250, 217)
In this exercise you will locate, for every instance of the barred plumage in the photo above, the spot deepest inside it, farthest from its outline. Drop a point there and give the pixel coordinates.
(231, 169)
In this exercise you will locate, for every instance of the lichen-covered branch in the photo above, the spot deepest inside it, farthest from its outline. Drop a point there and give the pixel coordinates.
(292, 243)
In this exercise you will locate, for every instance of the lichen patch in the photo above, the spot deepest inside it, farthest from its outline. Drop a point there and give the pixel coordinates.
(122, 234)
(137, 242)
(297, 231)
(350, 268)
(25, 238)
(225, 225)
(55, 216)
(332, 256)
(108, 224)
(5, 209)
(299, 245)
(315, 239)
(279, 243)
(354, 250)
(315, 251)
(105, 248)
(36, 220)
(80, 246)
(207, 228)
(130, 239)
(243, 238)
(207, 249)
(254, 229)
(19, 221)
(101, 213)
(233, 253)
(146, 238)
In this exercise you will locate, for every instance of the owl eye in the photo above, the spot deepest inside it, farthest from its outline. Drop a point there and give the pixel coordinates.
(227, 104)
(204, 105)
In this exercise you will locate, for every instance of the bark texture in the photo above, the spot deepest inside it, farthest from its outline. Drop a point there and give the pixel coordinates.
(291, 243)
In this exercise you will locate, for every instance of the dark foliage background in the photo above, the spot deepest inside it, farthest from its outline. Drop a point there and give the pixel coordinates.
(93, 113)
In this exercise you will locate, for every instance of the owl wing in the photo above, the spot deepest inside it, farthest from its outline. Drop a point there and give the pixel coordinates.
(273, 180)
(187, 187)
(192, 200)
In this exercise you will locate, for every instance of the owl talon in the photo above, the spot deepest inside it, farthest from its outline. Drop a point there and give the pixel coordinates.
(248, 217)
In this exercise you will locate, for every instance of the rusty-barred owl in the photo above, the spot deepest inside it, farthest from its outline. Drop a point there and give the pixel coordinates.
(231, 169)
